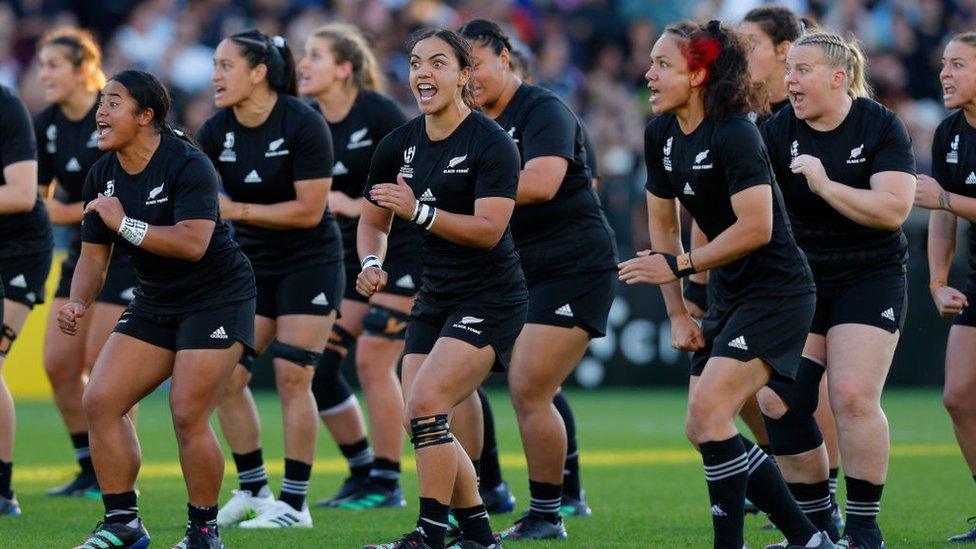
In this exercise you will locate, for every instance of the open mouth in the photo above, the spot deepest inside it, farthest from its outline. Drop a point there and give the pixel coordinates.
(103, 129)
(426, 92)
(948, 89)
(219, 91)
(655, 93)
(797, 98)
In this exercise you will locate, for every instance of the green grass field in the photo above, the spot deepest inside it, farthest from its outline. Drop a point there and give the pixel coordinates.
(643, 481)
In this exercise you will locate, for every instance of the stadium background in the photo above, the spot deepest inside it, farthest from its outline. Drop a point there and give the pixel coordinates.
(592, 53)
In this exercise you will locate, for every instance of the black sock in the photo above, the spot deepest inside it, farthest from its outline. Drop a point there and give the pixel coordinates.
(82, 452)
(201, 516)
(120, 508)
(863, 503)
(727, 474)
(250, 471)
(433, 521)
(474, 525)
(832, 480)
(6, 475)
(814, 501)
(294, 487)
(386, 473)
(491, 472)
(768, 491)
(571, 478)
(359, 456)
(545, 500)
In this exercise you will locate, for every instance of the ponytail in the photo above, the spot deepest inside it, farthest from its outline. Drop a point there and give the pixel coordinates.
(272, 52)
(843, 54)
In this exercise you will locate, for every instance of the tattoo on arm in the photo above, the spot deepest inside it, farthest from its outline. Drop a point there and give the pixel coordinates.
(945, 201)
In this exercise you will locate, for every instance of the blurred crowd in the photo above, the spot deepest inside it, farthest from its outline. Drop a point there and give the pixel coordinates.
(593, 53)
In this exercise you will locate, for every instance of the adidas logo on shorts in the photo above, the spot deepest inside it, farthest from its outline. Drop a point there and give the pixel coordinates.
(739, 343)
(320, 300)
(565, 310)
(406, 281)
(889, 313)
(219, 333)
(19, 281)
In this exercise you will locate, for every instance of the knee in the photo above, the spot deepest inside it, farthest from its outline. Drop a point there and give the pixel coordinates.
(771, 405)
(98, 403)
(235, 386)
(528, 397)
(369, 371)
(850, 404)
(61, 370)
(425, 403)
(187, 420)
(702, 418)
(961, 405)
(293, 380)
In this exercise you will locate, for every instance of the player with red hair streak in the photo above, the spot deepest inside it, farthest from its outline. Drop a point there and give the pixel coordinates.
(702, 150)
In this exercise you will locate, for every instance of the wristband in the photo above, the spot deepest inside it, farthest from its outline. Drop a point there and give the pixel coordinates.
(680, 265)
(372, 261)
(696, 293)
(424, 215)
(133, 230)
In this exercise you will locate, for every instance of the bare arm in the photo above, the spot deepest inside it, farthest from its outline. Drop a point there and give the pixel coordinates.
(540, 179)
(89, 276)
(752, 229)
(483, 229)
(884, 206)
(698, 239)
(20, 191)
(665, 231)
(941, 246)
(374, 228)
(305, 212)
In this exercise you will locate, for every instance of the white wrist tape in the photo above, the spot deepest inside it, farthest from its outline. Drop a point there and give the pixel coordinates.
(372, 261)
(133, 230)
(424, 215)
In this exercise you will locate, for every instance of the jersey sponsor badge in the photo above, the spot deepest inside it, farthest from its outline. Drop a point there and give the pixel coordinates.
(228, 154)
(952, 157)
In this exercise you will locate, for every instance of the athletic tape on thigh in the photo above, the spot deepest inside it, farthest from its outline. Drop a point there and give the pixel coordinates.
(302, 357)
(796, 431)
(340, 340)
(430, 430)
(385, 322)
(7, 337)
(247, 361)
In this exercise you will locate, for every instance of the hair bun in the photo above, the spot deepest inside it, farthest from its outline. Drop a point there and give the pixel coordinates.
(714, 26)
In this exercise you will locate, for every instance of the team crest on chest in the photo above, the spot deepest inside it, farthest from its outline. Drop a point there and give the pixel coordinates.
(274, 148)
(408, 153)
(700, 160)
(856, 157)
(52, 137)
(452, 165)
(228, 154)
(667, 154)
(357, 139)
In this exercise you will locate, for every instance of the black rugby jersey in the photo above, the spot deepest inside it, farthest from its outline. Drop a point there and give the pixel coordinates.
(570, 233)
(592, 158)
(954, 167)
(871, 139)
(66, 150)
(177, 184)
(260, 166)
(703, 170)
(354, 139)
(26, 233)
(478, 160)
